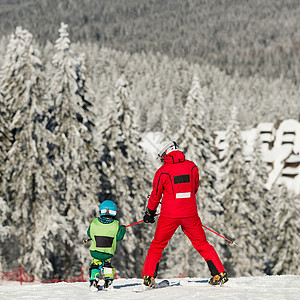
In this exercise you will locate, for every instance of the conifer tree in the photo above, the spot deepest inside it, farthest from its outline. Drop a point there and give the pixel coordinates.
(5, 142)
(74, 153)
(4, 231)
(286, 243)
(239, 221)
(168, 108)
(196, 142)
(28, 173)
(154, 114)
(261, 203)
(127, 173)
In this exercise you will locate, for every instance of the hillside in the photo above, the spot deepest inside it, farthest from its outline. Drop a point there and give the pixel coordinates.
(245, 37)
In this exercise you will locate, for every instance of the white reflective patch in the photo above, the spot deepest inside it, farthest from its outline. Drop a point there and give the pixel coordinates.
(107, 270)
(183, 195)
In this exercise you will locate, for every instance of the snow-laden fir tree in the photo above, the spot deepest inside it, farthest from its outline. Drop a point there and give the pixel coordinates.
(4, 231)
(261, 201)
(126, 177)
(5, 144)
(286, 226)
(195, 140)
(154, 113)
(239, 210)
(74, 154)
(5, 141)
(29, 177)
(168, 108)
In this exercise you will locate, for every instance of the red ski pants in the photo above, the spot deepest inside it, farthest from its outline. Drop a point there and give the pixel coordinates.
(192, 227)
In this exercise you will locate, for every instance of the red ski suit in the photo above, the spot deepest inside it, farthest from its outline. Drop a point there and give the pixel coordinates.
(178, 181)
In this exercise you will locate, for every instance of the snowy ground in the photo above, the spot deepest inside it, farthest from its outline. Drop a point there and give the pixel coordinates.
(266, 287)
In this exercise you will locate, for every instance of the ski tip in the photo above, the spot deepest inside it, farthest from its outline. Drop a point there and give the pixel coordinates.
(165, 282)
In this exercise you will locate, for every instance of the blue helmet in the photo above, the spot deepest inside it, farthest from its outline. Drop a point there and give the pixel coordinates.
(108, 208)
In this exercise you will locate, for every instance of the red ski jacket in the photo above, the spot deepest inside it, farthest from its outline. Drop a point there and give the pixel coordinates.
(178, 181)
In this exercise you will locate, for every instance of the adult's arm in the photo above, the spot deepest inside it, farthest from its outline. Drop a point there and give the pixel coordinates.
(157, 189)
(195, 173)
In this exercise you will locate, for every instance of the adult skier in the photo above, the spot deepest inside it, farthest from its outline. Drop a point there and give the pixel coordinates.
(177, 180)
(105, 232)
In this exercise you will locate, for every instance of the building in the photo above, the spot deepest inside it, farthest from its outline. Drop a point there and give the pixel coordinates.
(280, 151)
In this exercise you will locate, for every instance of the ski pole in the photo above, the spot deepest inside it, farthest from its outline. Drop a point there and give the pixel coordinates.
(232, 242)
(134, 223)
(138, 222)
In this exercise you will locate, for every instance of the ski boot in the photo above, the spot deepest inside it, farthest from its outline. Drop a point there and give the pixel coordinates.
(149, 281)
(94, 286)
(219, 279)
(108, 284)
(94, 276)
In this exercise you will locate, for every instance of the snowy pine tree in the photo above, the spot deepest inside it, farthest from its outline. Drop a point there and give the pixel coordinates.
(28, 173)
(5, 142)
(285, 245)
(126, 173)
(74, 154)
(260, 199)
(168, 107)
(239, 211)
(195, 140)
(5, 229)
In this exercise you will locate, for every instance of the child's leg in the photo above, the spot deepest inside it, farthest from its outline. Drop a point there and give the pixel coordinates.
(109, 273)
(94, 269)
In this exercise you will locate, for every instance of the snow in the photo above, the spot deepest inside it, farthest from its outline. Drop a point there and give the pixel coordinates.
(264, 287)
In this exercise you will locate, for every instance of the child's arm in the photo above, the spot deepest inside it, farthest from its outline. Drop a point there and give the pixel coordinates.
(88, 232)
(121, 232)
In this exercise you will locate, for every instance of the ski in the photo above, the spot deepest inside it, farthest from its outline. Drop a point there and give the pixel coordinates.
(159, 285)
(101, 288)
(96, 287)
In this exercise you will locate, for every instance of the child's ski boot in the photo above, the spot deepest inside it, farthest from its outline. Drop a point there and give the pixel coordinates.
(108, 284)
(94, 286)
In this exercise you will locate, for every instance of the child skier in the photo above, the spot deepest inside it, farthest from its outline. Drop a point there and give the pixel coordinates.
(105, 232)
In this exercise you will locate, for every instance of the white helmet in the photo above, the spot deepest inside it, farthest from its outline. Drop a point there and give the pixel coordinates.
(165, 148)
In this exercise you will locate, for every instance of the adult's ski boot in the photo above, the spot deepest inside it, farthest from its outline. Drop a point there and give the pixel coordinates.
(149, 281)
(219, 279)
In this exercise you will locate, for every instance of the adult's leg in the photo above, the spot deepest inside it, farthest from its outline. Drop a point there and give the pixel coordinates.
(192, 227)
(166, 227)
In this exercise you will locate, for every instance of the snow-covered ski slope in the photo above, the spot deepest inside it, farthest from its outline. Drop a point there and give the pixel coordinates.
(246, 288)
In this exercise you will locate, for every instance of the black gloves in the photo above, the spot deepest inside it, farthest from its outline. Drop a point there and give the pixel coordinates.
(149, 216)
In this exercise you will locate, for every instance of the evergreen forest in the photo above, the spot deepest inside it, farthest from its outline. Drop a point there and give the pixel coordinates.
(82, 82)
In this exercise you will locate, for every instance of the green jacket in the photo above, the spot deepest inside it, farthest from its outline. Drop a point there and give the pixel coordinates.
(104, 238)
